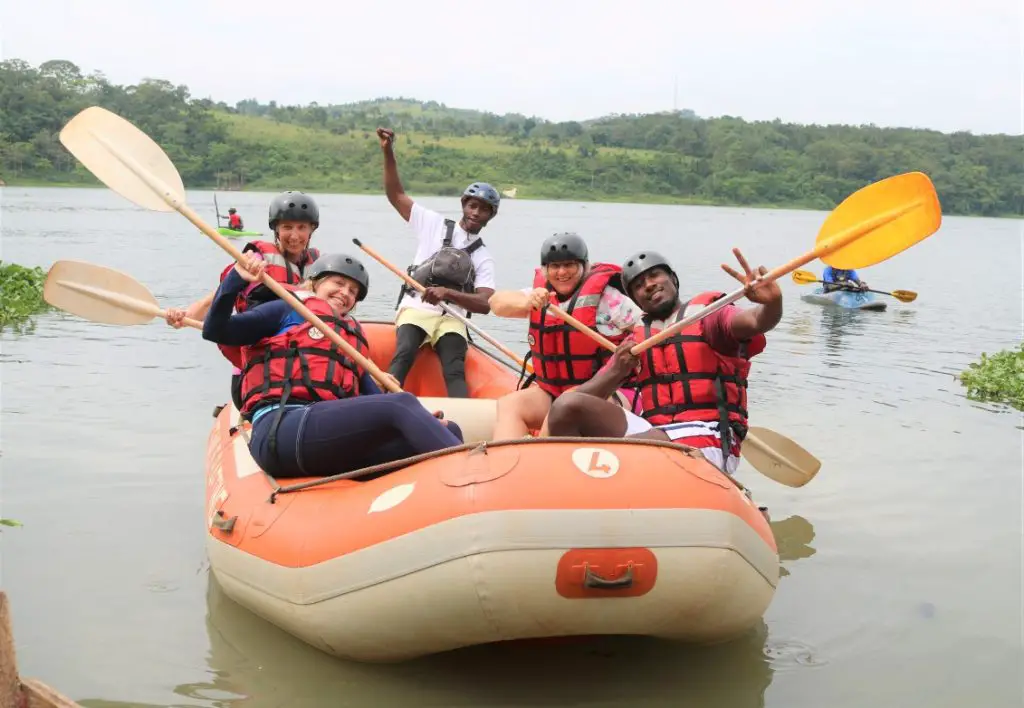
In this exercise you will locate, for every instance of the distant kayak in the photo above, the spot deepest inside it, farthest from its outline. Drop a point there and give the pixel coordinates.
(231, 233)
(849, 299)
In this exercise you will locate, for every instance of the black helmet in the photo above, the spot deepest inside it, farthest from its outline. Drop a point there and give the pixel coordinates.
(294, 206)
(639, 263)
(563, 247)
(341, 264)
(485, 192)
(231, 210)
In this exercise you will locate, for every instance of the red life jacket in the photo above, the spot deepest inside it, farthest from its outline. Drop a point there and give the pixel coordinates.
(562, 356)
(683, 379)
(235, 221)
(280, 269)
(302, 364)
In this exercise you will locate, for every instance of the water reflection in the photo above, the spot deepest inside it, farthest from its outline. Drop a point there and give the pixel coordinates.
(793, 537)
(255, 663)
(838, 324)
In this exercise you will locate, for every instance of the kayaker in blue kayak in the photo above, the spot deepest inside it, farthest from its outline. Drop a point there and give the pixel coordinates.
(314, 411)
(838, 279)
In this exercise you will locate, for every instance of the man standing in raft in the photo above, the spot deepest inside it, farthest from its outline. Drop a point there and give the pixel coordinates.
(562, 356)
(453, 264)
(293, 217)
(692, 386)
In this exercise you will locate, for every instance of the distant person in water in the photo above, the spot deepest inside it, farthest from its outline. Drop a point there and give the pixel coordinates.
(838, 279)
(234, 220)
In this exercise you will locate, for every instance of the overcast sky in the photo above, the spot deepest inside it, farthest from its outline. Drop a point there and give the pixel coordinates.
(944, 64)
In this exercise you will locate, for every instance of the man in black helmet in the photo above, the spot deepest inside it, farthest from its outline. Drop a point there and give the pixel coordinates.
(453, 264)
(692, 386)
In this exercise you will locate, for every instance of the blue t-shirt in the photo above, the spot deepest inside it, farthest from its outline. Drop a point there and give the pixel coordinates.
(834, 275)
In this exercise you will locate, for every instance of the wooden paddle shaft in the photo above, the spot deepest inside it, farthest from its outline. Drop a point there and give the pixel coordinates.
(822, 249)
(285, 295)
(123, 301)
(415, 285)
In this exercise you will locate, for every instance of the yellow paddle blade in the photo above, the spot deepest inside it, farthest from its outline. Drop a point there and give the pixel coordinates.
(907, 207)
(804, 277)
(99, 294)
(904, 295)
(124, 158)
(779, 458)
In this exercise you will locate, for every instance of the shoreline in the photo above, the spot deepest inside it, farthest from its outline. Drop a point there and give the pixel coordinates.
(642, 199)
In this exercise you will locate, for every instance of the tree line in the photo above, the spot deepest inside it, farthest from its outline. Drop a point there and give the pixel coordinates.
(673, 156)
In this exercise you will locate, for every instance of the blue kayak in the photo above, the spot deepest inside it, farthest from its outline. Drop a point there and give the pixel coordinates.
(849, 299)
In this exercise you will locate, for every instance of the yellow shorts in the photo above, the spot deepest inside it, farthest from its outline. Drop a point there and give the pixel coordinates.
(435, 324)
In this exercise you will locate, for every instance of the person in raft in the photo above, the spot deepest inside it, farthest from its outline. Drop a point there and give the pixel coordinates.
(838, 279)
(235, 220)
(454, 266)
(692, 386)
(562, 356)
(293, 217)
(314, 411)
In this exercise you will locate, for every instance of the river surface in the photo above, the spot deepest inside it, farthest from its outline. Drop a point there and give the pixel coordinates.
(902, 558)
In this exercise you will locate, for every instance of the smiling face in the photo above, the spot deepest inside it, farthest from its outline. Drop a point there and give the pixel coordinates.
(339, 292)
(293, 238)
(656, 292)
(475, 214)
(564, 277)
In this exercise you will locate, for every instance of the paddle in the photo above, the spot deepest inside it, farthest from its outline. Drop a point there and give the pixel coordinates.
(778, 457)
(419, 288)
(131, 164)
(103, 295)
(216, 209)
(804, 277)
(871, 225)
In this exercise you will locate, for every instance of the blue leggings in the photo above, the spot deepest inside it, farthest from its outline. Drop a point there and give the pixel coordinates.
(328, 437)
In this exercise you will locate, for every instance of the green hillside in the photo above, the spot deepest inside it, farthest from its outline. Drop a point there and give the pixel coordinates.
(666, 157)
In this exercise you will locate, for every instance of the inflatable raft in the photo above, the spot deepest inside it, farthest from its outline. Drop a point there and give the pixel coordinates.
(487, 542)
(849, 299)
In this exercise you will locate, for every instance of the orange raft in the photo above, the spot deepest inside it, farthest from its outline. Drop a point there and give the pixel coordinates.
(518, 539)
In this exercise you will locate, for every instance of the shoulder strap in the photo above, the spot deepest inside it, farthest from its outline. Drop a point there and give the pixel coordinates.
(450, 226)
(473, 246)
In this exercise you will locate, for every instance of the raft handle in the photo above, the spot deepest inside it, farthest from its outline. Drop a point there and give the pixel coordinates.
(595, 581)
(225, 525)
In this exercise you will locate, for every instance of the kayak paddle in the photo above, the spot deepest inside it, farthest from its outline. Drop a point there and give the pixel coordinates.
(804, 277)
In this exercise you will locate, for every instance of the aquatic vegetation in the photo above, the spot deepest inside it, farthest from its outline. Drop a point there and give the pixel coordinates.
(21, 294)
(998, 378)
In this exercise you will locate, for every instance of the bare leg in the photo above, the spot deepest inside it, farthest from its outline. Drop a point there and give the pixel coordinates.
(520, 412)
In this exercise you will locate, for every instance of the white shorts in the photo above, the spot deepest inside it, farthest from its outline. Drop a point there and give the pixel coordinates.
(635, 424)
(694, 434)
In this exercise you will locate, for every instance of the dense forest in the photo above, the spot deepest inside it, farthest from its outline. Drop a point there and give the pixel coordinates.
(670, 157)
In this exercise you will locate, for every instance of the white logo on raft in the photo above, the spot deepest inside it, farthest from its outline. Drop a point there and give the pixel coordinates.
(314, 333)
(595, 462)
(391, 498)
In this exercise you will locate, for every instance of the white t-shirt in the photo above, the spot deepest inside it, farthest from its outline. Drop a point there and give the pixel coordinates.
(430, 231)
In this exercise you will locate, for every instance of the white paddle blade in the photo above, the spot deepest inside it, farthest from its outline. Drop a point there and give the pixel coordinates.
(99, 294)
(124, 158)
(779, 458)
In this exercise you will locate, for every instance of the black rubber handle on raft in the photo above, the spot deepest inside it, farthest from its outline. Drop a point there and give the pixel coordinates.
(595, 581)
